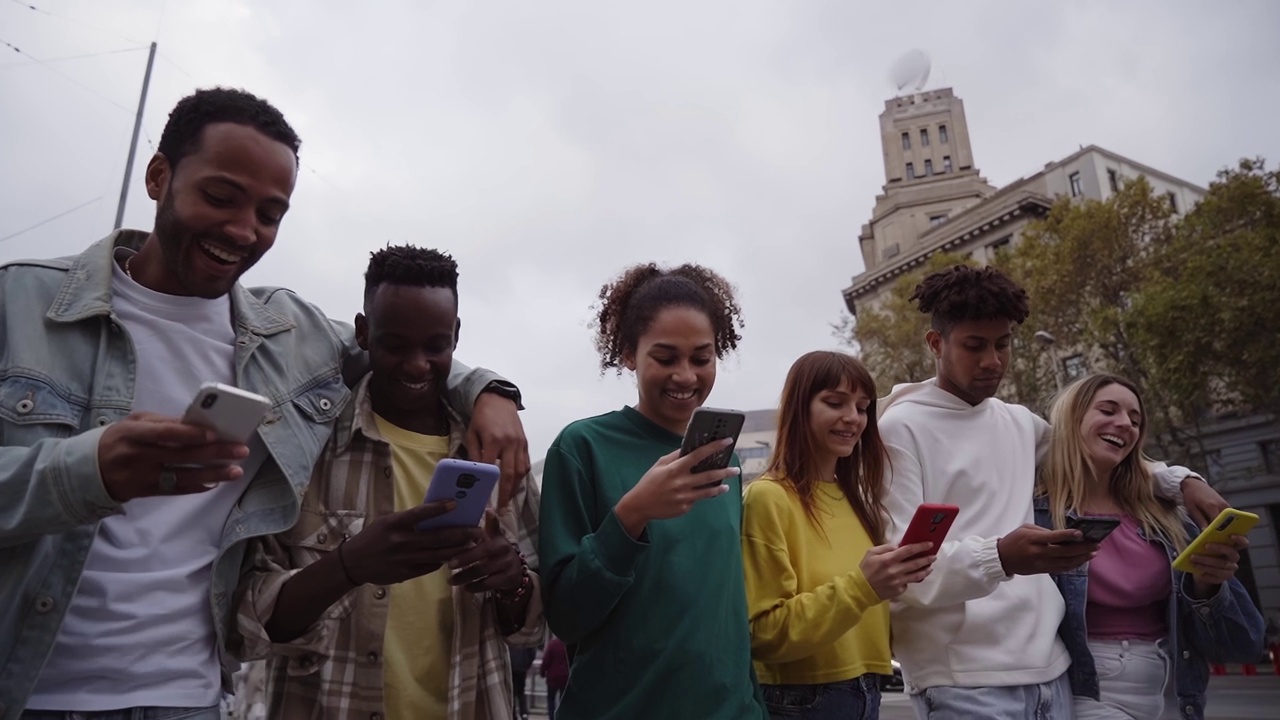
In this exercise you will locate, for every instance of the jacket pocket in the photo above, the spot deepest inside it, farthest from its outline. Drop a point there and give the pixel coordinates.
(33, 409)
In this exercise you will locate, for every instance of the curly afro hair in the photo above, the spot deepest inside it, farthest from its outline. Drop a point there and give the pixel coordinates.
(195, 112)
(410, 265)
(961, 293)
(631, 301)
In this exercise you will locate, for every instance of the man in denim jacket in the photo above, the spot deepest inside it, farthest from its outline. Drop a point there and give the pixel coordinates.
(1224, 628)
(122, 531)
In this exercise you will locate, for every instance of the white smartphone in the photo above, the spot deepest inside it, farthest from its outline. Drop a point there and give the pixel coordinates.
(229, 411)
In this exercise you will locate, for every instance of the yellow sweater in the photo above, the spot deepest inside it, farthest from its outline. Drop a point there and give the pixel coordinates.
(814, 617)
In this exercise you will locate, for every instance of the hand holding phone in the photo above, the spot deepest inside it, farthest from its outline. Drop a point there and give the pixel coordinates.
(709, 425)
(1228, 523)
(930, 524)
(1093, 529)
(670, 488)
(468, 484)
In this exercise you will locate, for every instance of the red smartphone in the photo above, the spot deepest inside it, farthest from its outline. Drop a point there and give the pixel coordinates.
(930, 524)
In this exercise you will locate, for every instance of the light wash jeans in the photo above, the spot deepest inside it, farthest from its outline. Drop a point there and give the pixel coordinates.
(1046, 701)
(1133, 680)
(141, 713)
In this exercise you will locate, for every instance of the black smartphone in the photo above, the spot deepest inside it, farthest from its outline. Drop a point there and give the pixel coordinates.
(1095, 529)
(709, 425)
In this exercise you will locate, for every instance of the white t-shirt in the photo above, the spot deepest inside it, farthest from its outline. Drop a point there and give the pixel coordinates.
(139, 631)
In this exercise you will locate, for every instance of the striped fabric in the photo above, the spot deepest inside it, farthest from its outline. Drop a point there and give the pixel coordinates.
(334, 670)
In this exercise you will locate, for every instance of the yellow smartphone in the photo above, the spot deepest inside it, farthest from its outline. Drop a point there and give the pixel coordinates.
(1229, 522)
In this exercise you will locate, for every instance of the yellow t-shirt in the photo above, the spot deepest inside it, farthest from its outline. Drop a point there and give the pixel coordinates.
(814, 617)
(418, 646)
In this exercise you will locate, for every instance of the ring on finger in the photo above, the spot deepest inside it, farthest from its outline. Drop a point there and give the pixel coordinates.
(168, 480)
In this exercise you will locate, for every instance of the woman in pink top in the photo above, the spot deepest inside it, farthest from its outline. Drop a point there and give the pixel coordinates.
(1140, 633)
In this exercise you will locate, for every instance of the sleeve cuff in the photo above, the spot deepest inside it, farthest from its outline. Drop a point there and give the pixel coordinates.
(618, 552)
(81, 490)
(988, 557)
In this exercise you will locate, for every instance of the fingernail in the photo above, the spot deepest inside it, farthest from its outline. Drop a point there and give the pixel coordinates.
(242, 452)
(726, 442)
(724, 489)
(734, 471)
(235, 471)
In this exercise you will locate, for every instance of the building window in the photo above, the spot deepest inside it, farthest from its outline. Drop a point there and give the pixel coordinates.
(924, 137)
(1214, 470)
(1075, 367)
(1113, 178)
(1173, 201)
(1075, 184)
(759, 452)
(906, 141)
(1271, 456)
(928, 168)
(911, 171)
(946, 163)
(935, 220)
(999, 245)
(942, 134)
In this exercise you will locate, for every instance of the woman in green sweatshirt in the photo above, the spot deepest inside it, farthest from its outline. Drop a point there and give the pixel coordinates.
(641, 562)
(817, 575)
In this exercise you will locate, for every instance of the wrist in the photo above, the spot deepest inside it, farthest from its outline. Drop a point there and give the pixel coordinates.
(629, 517)
(520, 590)
(504, 390)
(344, 569)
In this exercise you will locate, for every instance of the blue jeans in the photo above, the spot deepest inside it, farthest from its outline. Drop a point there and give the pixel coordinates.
(856, 699)
(1046, 701)
(142, 713)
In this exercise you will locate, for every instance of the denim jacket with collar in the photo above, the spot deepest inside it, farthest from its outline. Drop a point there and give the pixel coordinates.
(1226, 628)
(67, 370)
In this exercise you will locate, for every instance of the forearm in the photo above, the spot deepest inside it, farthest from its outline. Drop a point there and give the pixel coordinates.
(586, 581)
(306, 596)
(964, 570)
(801, 625)
(51, 487)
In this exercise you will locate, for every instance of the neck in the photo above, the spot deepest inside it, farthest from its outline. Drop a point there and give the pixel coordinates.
(431, 419)
(1097, 492)
(945, 384)
(665, 423)
(146, 267)
(824, 467)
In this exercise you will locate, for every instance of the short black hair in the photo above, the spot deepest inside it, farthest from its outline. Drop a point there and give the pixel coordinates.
(195, 112)
(410, 265)
(962, 293)
(631, 301)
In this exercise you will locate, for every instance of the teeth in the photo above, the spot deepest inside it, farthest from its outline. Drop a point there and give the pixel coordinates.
(220, 253)
(681, 395)
(1113, 440)
(417, 386)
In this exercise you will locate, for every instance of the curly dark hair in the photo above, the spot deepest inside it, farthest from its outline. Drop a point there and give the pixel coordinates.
(410, 265)
(631, 301)
(960, 293)
(187, 121)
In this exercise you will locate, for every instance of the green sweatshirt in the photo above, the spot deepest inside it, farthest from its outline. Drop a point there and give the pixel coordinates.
(657, 627)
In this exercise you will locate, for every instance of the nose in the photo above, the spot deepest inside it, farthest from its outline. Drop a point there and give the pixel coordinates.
(683, 374)
(991, 360)
(243, 230)
(417, 364)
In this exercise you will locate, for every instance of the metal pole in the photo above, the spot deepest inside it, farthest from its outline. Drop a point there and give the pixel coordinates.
(133, 145)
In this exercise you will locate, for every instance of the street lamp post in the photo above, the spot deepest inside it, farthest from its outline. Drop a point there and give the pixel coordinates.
(1047, 341)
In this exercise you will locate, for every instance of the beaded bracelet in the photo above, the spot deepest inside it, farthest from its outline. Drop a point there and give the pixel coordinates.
(522, 590)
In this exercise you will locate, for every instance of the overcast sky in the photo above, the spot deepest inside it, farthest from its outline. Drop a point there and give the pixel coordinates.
(549, 145)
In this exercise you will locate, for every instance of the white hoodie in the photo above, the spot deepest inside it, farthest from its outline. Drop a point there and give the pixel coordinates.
(968, 624)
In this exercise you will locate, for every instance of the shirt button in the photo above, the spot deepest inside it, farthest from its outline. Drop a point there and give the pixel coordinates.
(1186, 654)
(386, 471)
(44, 604)
(373, 658)
(307, 662)
(322, 538)
(103, 421)
(24, 406)
(325, 404)
(380, 593)
(1204, 611)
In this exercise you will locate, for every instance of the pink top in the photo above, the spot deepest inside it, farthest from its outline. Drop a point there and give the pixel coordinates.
(1129, 586)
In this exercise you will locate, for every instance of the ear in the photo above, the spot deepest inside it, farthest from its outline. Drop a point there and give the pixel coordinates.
(629, 360)
(457, 332)
(362, 331)
(159, 174)
(934, 338)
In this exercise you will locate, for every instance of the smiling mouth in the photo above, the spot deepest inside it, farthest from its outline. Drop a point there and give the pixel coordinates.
(680, 395)
(416, 386)
(844, 435)
(1112, 440)
(219, 255)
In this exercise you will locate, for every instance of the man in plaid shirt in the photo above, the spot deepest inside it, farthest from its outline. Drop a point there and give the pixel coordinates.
(360, 614)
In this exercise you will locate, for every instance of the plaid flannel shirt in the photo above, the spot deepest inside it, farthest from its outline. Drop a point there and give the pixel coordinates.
(334, 670)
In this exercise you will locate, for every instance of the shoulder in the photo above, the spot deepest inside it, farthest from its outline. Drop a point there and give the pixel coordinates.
(28, 275)
(768, 501)
(579, 433)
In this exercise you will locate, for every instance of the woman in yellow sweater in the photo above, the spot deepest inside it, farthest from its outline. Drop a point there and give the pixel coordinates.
(817, 574)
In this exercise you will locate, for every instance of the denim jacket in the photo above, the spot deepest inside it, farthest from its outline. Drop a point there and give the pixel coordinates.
(67, 371)
(1222, 629)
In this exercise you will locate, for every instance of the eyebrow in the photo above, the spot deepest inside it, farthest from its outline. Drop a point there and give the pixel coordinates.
(669, 346)
(239, 187)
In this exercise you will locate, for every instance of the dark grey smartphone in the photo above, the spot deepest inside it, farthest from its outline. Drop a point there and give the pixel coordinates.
(1095, 529)
(709, 425)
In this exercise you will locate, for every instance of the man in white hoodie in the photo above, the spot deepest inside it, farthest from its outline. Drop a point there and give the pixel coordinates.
(979, 637)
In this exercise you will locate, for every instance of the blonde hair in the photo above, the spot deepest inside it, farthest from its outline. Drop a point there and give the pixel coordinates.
(1067, 470)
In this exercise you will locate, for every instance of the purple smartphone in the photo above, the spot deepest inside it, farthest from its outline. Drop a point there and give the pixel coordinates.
(470, 484)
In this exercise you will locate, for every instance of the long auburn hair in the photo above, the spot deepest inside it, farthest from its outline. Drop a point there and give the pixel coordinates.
(1066, 472)
(860, 475)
